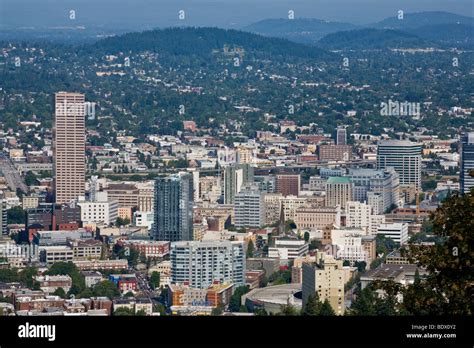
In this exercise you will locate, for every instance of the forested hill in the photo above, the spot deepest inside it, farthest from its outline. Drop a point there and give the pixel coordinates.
(372, 39)
(202, 42)
(419, 19)
(451, 35)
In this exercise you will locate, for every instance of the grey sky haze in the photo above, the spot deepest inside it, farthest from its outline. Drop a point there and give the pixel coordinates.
(145, 14)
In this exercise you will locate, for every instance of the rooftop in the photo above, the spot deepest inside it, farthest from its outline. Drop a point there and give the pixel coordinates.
(278, 294)
(390, 271)
(397, 143)
(338, 180)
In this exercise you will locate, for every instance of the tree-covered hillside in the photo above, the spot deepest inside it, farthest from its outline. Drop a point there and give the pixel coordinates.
(372, 39)
(201, 42)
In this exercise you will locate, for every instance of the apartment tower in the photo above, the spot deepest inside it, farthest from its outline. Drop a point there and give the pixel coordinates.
(173, 220)
(467, 162)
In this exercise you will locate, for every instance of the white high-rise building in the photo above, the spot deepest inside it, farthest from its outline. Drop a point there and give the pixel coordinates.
(200, 264)
(358, 215)
(288, 248)
(349, 244)
(398, 232)
(376, 201)
(196, 191)
(379, 188)
(272, 207)
(375, 222)
(361, 215)
(100, 211)
(403, 156)
(249, 207)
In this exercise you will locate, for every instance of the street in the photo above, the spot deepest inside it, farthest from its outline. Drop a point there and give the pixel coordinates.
(11, 175)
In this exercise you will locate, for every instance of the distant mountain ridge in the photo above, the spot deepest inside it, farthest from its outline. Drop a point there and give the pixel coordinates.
(420, 19)
(434, 29)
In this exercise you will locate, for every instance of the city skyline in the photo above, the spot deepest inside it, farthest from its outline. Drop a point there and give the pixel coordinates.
(284, 160)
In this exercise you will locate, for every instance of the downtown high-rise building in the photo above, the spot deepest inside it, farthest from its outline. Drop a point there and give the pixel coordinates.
(326, 278)
(339, 191)
(341, 136)
(249, 207)
(3, 217)
(380, 186)
(201, 264)
(236, 175)
(69, 147)
(173, 220)
(403, 156)
(288, 184)
(466, 181)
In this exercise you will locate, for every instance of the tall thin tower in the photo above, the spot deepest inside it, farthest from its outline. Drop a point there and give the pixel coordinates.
(467, 162)
(69, 146)
(173, 219)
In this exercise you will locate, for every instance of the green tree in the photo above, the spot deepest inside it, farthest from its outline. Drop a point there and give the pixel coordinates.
(106, 288)
(364, 303)
(36, 286)
(289, 225)
(159, 308)
(235, 300)
(30, 179)
(6, 299)
(69, 268)
(314, 244)
(122, 222)
(280, 277)
(16, 215)
(131, 254)
(312, 306)
(86, 293)
(123, 311)
(326, 309)
(250, 249)
(217, 310)
(371, 302)
(288, 310)
(155, 280)
(384, 245)
(129, 294)
(260, 312)
(306, 237)
(447, 287)
(9, 275)
(26, 276)
(60, 292)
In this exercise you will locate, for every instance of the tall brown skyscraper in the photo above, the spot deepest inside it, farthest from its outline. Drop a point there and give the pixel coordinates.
(69, 146)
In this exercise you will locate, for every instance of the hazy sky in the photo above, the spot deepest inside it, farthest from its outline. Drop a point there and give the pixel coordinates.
(140, 14)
